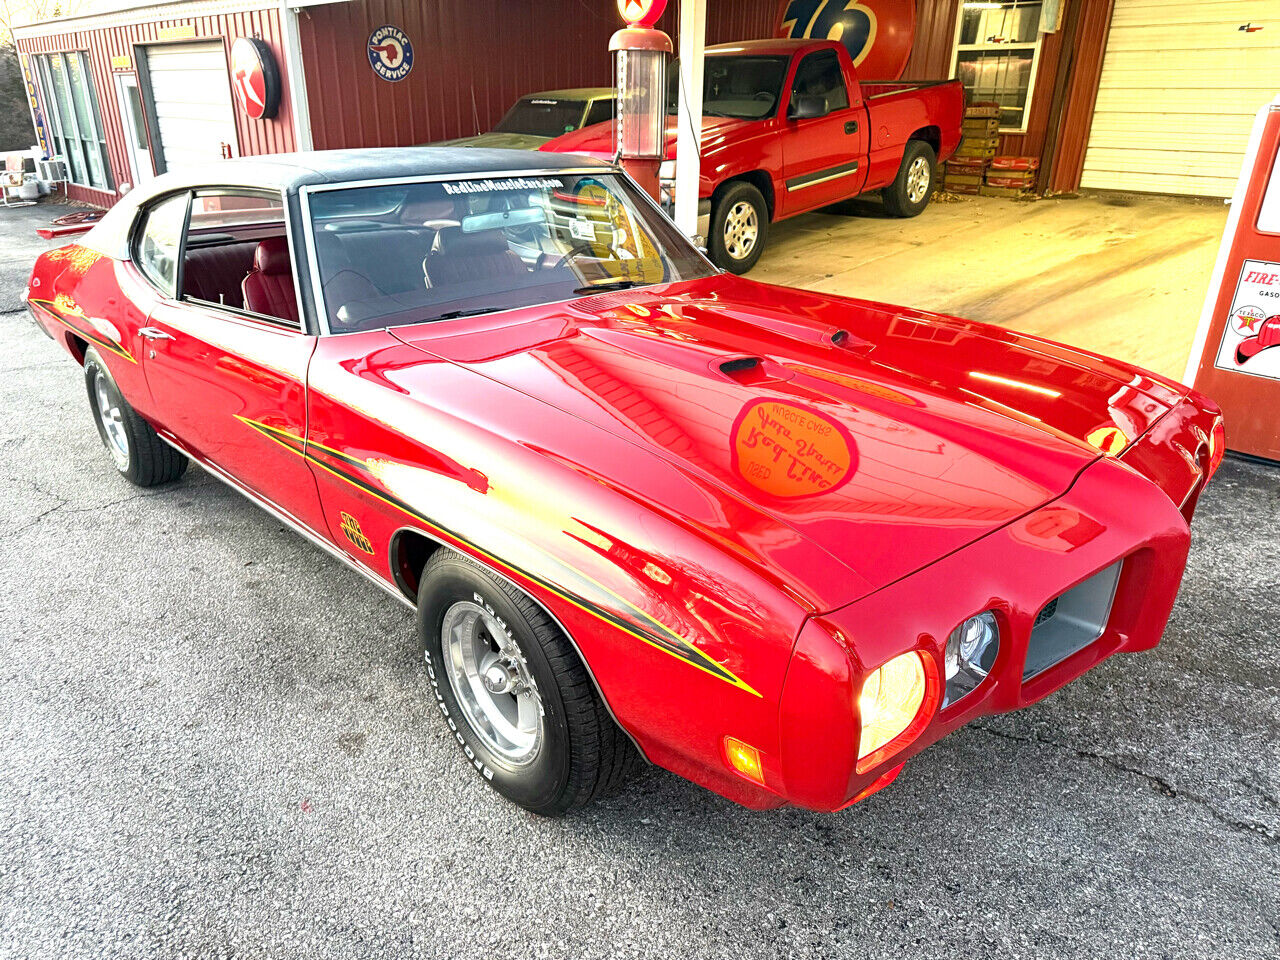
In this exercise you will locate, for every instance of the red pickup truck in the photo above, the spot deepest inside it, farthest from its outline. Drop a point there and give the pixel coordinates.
(787, 127)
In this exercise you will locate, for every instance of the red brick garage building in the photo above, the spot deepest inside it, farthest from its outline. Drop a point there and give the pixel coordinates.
(146, 88)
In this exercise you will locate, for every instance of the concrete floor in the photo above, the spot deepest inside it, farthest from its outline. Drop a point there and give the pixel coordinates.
(215, 741)
(1120, 275)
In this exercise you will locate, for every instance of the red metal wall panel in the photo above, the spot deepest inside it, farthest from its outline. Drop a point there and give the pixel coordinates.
(254, 136)
(472, 59)
(931, 59)
(1082, 94)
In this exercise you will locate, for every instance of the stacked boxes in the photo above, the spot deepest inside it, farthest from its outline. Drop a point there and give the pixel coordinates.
(965, 174)
(1010, 176)
(981, 131)
(966, 170)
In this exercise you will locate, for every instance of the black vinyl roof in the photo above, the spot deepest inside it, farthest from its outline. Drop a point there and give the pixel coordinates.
(289, 172)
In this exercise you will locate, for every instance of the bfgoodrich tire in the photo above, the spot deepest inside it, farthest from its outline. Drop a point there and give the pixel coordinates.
(911, 190)
(138, 452)
(513, 691)
(739, 227)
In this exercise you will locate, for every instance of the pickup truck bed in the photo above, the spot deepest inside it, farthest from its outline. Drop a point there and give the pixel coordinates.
(788, 128)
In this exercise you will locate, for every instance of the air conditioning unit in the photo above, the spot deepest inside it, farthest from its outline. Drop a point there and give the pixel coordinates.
(52, 170)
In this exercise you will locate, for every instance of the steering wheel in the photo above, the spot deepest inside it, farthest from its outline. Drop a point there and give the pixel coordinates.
(762, 95)
(579, 249)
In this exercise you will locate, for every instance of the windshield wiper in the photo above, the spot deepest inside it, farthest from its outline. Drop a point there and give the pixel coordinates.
(454, 314)
(609, 285)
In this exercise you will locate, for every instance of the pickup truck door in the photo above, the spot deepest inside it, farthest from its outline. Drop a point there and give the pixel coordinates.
(824, 158)
(230, 386)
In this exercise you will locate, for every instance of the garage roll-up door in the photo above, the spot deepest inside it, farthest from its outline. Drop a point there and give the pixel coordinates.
(192, 99)
(1181, 81)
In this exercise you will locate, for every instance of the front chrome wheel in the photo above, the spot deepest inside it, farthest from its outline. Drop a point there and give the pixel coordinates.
(490, 679)
(919, 179)
(741, 230)
(111, 417)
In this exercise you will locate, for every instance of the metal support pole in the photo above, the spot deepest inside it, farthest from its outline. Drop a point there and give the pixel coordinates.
(299, 109)
(693, 38)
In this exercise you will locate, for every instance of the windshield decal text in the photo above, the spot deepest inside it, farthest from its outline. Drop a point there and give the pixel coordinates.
(492, 186)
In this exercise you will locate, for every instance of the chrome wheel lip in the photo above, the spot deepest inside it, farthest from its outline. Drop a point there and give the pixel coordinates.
(111, 419)
(491, 682)
(918, 179)
(741, 230)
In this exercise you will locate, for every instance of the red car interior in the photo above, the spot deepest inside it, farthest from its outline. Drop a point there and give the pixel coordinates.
(268, 289)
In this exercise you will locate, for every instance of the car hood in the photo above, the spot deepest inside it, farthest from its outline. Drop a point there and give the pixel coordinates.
(599, 141)
(498, 141)
(915, 436)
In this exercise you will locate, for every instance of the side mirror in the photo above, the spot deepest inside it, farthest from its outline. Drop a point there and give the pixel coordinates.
(806, 106)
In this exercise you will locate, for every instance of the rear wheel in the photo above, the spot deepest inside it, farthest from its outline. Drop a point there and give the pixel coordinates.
(513, 691)
(911, 190)
(136, 449)
(739, 226)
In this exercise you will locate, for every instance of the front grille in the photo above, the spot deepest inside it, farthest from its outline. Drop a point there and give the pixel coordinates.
(1049, 610)
(1071, 621)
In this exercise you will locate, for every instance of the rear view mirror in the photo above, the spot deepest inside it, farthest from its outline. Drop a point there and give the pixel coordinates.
(805, 106)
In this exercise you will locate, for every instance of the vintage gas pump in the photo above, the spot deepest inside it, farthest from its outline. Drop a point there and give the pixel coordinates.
(642, 55)
(1236, 355)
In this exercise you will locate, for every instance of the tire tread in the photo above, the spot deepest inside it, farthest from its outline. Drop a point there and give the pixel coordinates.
(601, 755)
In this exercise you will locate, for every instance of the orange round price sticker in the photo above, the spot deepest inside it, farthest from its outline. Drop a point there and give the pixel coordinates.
(791, 451)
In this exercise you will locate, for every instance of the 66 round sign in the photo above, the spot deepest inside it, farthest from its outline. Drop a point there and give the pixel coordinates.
(390, 53)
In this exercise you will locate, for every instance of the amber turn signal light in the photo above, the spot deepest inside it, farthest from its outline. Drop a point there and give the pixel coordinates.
(745, 759)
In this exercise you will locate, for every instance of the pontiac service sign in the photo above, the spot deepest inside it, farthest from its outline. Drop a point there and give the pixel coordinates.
(390, 53)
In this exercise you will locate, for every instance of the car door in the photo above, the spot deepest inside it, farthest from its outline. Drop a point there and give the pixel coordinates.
(228, 381)
(823, 156)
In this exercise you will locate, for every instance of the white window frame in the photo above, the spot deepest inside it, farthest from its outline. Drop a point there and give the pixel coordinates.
(1035, 46)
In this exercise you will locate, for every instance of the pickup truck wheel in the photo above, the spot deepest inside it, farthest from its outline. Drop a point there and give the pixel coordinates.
(513, 691)
(137, 450)
(911, 189)
(739, 226)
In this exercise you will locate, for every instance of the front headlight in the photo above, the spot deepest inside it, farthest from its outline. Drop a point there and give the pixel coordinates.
(896, 702)
(970, 654)
(667, 170)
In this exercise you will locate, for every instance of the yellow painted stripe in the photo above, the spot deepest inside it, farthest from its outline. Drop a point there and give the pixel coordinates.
(720, 672)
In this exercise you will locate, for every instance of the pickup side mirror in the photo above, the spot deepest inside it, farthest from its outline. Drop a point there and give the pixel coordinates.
(805, 106)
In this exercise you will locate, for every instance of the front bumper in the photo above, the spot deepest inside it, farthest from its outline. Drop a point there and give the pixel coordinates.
(1111, 514)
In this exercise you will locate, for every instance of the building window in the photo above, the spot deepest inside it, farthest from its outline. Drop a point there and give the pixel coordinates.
(996, 54)
(75, 123)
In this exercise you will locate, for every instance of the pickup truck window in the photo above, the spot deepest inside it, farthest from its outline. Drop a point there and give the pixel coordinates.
(819, 75)
(456, 248)
(744, 87)
(600, 111)
(542, 117)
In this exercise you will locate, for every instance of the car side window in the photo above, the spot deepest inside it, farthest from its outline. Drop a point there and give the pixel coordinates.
(236, 254)
(819, 75)
(599, 111)
(158, 241)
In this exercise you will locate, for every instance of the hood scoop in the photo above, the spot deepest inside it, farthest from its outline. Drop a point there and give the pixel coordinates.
(751, 370)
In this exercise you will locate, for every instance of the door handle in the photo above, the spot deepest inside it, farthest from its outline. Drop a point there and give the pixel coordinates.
(154, 333)
(851, 126)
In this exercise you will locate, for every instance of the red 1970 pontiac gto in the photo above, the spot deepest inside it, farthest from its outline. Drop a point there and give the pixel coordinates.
(774, 541)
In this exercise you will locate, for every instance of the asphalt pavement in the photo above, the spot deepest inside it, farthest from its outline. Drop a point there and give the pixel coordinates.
(217, 741)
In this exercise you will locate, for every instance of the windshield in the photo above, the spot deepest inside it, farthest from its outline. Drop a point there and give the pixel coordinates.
(744, 87)
(542, 117)
(409, 253)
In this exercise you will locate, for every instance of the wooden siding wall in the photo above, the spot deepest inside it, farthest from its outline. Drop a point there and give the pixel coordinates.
(255, 136)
